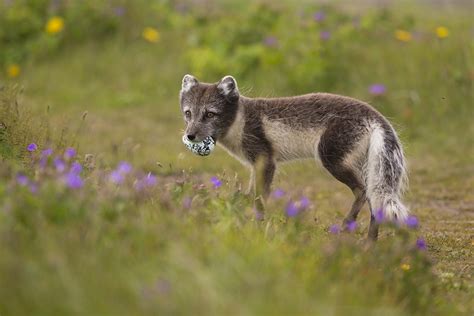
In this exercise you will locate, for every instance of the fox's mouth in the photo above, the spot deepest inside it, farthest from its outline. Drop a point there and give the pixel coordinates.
(197, 141)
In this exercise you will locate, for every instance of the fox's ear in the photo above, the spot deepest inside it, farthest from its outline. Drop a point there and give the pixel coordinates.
(228, 87)
(188, 82)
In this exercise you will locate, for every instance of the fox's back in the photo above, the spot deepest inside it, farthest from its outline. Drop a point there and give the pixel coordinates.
(294, 125)
(311, 110)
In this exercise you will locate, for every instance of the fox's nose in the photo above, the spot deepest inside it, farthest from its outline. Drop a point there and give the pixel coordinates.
(191, 137)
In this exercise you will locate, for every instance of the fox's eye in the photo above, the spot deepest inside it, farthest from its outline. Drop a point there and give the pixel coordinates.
(187, 113)
(210, 114)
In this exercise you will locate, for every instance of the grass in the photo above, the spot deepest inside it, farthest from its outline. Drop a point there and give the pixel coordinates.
(108, 250)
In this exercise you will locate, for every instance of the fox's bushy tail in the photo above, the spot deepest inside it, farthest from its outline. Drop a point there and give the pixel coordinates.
(386, 175)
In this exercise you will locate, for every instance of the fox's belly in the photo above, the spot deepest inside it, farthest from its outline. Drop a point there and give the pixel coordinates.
(290, 143)
(292, 147)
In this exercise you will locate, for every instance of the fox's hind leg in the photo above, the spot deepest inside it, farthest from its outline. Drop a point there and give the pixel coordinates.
(335, 145)
(373, 226)
(349, 178)
(360, 199)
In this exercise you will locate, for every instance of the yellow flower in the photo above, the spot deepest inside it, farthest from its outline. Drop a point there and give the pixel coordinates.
(54, 25)
(13, 70)
(405, 266)
(442, 32)
(402, 35)
(151, 34)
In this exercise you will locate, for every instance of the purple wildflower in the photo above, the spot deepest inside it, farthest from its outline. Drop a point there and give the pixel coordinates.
(377, 89)
(118, 10)
(278, 193)
(116, 177)
(32, 147)
(76, 168)
(43, 162)
(319, 16)
(147, 181)
(124, 168)
(47, 152)
(33, 187)
(325, 35)
(412, 222)
(73, 180)
(335, 229)
(69, 153)
(292, 209)
(351, 226)
(420, 244)
(44, 157)
(22, 179)
(187, 201)
(379, 216)
(216, 182)
(150, 180)
(59, 164)
(304, 203)
(270, 41)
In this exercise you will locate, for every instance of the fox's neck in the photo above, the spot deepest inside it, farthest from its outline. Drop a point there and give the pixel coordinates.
(232, 140)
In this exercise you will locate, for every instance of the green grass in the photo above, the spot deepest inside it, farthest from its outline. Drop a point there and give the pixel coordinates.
(105, 250)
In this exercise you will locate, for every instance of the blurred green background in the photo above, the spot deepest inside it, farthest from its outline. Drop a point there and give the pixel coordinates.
(115, 57)
(104, 77)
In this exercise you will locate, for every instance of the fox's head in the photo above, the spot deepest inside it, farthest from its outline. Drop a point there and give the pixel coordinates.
(208, 108)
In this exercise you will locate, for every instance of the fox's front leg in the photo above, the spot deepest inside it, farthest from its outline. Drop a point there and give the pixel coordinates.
(251, 187)
(265, 170)
(267, 175)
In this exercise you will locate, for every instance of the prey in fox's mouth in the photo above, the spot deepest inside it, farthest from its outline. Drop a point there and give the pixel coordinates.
(201, 148)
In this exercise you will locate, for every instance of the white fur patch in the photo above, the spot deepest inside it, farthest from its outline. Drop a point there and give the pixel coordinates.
(380, 194)
(289, 143)
(375, 165)
(232, 141)
(357, 158)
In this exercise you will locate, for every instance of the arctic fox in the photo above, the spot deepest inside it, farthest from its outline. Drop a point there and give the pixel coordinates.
(353, 141)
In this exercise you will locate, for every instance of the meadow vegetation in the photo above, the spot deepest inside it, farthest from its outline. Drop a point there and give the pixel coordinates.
(103, 211)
